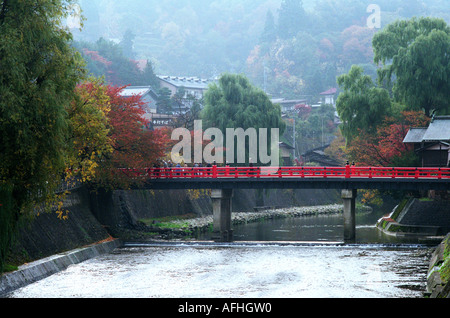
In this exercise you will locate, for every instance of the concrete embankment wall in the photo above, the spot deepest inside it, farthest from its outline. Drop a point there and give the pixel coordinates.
(95, 216)
(415, 217)
(35, 271)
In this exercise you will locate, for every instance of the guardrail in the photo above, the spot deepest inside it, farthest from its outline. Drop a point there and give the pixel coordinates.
(289, 172)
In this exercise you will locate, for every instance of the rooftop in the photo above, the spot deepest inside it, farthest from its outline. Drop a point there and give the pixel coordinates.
(135, 90)
(439, 130)
(415, 135)
(188, 82)
(331, 91)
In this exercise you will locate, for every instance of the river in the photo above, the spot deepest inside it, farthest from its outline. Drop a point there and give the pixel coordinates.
(267, 260)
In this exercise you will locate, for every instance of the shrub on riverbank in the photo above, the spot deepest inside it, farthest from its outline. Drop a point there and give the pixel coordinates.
(185, 225)
(445, 268)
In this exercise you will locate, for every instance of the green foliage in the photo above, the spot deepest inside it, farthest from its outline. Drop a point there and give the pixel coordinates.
(112, 61)
(361, 105)
(235, 103)
(164, 102)
(38, 75)
(7, 222)
(416, 53)
(445, 267)
(270, 30)
(169, 222)
(292, 18)
(313, 130)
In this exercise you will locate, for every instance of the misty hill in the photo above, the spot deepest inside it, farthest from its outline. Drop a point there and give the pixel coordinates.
(292, 48)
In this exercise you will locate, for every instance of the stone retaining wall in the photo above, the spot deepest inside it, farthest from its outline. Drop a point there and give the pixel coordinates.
(35, 271)
(438, 280)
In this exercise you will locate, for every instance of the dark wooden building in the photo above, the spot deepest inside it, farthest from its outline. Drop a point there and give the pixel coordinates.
(432, 144)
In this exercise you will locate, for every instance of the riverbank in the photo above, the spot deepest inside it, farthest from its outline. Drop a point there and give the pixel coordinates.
(429, 222)
(438, 277)
(29, 273)
(186, 228)
(412, 217)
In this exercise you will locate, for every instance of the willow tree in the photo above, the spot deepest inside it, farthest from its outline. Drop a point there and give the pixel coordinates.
(414, 56)
(235, 103)
(361, 105)
(38, 74)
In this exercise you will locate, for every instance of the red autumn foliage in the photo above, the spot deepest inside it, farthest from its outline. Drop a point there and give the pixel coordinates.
(95, 56)
(303, 110)
(387, 145)
(134, 146)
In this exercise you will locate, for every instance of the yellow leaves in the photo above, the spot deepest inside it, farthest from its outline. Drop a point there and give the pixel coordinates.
(371, 197)
(198, 193)
(89, 127)
(62, 215)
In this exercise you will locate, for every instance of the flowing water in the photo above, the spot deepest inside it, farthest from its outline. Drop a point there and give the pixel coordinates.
(375, 266)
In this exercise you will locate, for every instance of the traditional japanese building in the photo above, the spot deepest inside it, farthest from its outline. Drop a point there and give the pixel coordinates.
(432, 144)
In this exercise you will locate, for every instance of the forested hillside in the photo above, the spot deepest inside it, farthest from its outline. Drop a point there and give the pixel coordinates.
(292, 48)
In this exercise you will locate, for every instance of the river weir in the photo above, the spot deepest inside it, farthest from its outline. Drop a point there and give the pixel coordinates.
(242, 270)
(269, 259)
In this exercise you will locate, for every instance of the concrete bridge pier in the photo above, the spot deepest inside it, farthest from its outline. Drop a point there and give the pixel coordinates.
(349, 198)
(221, 202)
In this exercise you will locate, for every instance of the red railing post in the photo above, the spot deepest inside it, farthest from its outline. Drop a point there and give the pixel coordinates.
(214, 171)
(347, 171)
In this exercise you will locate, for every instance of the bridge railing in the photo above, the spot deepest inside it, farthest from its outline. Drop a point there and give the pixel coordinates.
(289, 172)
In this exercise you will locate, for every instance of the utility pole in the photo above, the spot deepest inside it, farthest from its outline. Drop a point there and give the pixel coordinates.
(293, 130)
(265, 78)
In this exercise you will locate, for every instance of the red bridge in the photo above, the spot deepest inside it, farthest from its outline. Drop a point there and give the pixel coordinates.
(299, 172)
(222, 181)
(348, 177)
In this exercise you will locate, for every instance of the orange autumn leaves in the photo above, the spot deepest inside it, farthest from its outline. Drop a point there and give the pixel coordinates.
(108, 132)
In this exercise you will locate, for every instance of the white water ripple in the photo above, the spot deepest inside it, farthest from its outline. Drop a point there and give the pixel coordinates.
(241, 271)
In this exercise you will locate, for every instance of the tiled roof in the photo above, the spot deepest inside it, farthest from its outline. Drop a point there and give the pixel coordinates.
(187, 82)
(331, 91)
(439, 130)
(415, 135)
(135, 90)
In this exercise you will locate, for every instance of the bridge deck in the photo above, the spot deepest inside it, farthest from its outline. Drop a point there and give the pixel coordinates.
(347, 177)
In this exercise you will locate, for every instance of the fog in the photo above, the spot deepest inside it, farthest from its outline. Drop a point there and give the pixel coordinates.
(291, 48)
